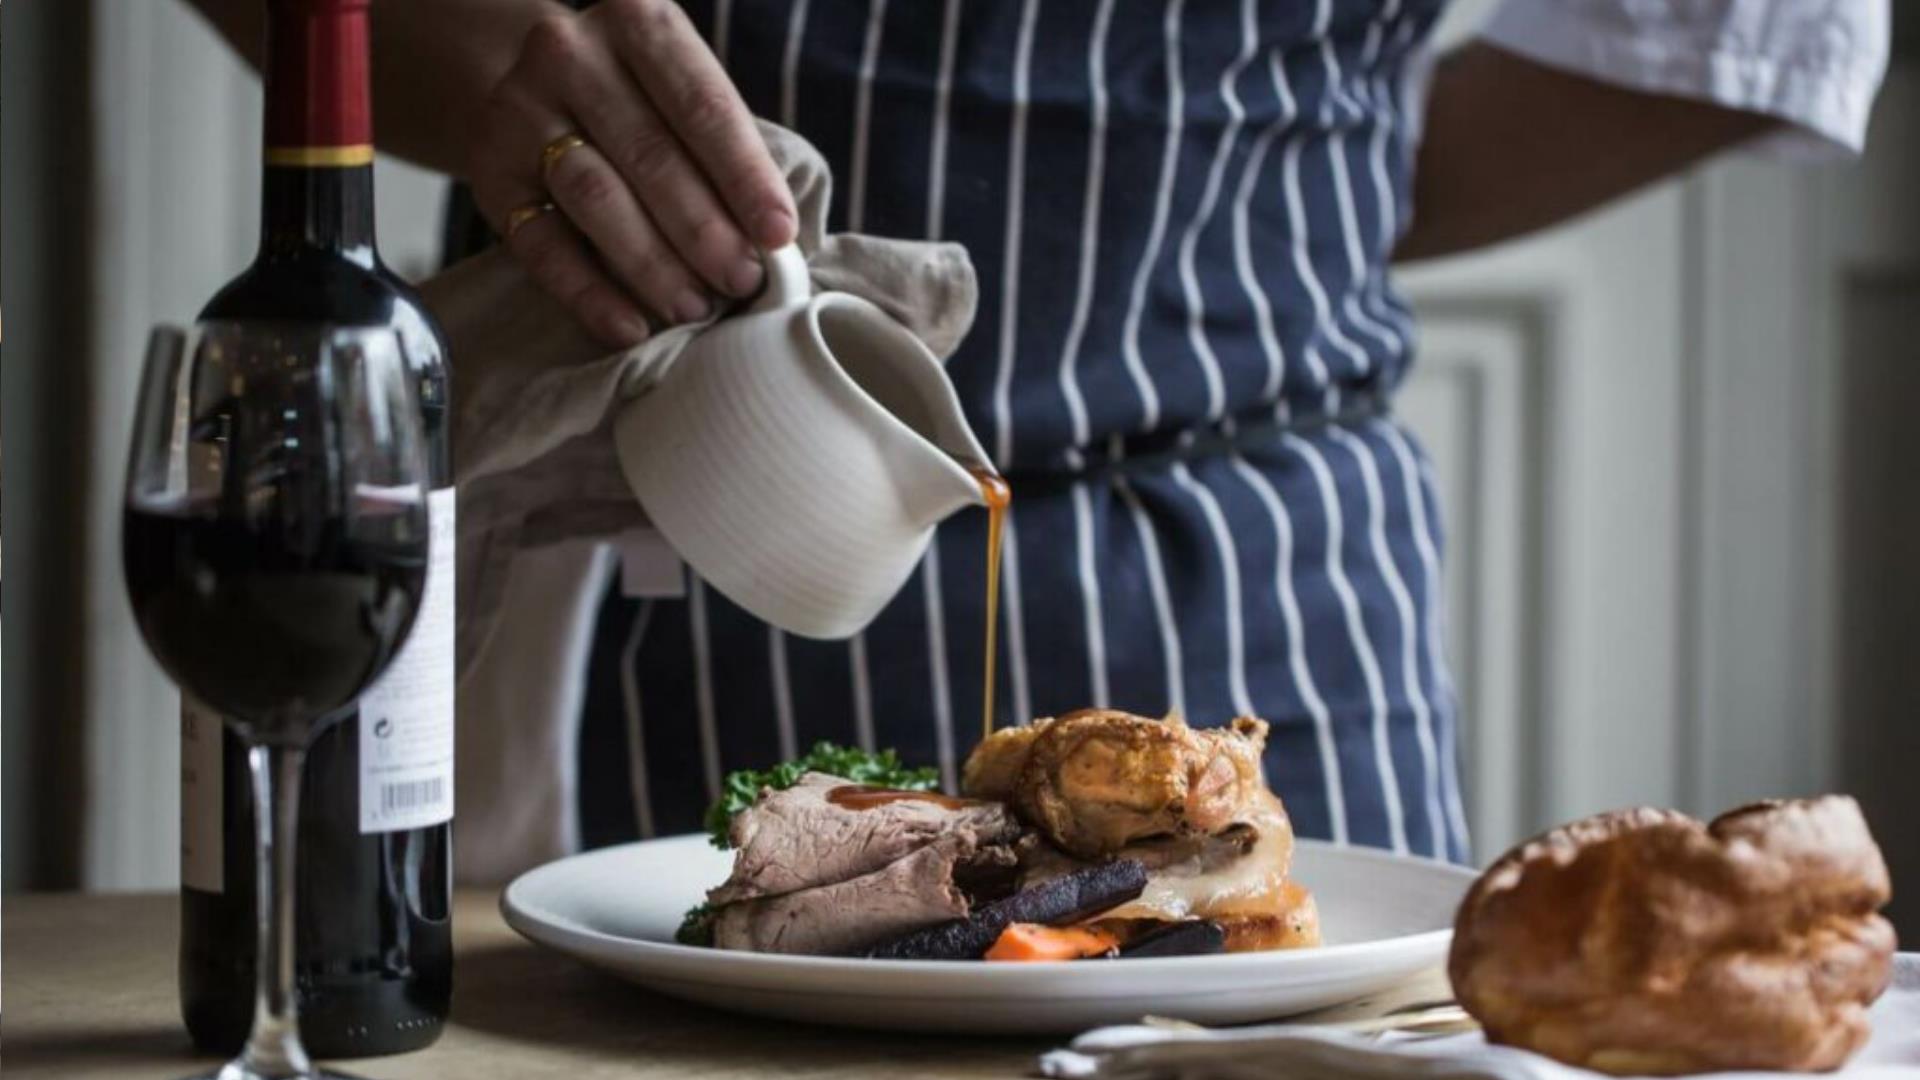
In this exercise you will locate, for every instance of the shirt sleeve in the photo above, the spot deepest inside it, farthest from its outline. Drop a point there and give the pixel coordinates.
(1815, 64)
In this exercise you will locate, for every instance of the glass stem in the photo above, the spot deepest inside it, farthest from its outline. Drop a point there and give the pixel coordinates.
(273, 1048)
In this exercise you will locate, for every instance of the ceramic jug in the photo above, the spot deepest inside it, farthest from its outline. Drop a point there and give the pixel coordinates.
(799, 453)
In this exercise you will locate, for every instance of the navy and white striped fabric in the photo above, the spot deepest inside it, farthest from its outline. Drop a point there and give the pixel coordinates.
(1182, 212)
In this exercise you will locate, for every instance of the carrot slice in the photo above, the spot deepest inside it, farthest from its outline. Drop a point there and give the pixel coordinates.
(1032, 941)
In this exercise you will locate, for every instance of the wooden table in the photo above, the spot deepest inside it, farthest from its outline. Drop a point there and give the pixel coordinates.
(90, 992)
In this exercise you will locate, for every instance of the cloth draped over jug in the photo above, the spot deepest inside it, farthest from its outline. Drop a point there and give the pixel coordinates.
(535, 399)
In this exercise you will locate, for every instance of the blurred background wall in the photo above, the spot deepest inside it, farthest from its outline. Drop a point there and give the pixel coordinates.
(129, 192)
(1679, 443)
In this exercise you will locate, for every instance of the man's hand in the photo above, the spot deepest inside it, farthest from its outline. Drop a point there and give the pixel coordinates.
(1512, 146)
(664, 204)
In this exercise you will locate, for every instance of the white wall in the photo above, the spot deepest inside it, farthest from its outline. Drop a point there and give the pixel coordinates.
(1871, 238)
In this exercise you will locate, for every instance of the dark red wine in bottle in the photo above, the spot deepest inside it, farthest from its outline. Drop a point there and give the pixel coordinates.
(374, 951)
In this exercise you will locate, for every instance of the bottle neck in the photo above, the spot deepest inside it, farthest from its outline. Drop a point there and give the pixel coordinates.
(304, 209)
(318, 189)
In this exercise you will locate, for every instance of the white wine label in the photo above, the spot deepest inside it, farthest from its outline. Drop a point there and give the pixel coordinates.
(202, 783)
(406, 719)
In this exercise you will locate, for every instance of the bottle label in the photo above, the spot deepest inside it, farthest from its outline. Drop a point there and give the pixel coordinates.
(202, 784)
(406, 719)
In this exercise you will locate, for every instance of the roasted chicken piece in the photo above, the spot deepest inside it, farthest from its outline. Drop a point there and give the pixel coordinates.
(1092, 781)
(993, 769)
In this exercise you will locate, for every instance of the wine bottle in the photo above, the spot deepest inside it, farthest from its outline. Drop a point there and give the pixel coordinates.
(374, 953)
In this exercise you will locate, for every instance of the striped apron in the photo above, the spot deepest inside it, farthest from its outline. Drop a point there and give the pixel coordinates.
(1182, 213)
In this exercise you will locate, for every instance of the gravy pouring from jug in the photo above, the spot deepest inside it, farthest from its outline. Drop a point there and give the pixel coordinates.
(994, 488)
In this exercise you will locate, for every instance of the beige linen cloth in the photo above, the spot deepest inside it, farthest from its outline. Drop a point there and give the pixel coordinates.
(541, 488)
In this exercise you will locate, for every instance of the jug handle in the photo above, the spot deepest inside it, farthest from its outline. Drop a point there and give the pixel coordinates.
(788, 280)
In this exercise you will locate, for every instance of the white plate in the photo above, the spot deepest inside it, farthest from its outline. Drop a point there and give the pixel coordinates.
(1384, 917)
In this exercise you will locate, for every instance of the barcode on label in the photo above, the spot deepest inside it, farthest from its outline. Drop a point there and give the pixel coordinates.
(407, 796)
(406, 719)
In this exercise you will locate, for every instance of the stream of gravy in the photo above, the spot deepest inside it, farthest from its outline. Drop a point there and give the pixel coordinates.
(998, 495)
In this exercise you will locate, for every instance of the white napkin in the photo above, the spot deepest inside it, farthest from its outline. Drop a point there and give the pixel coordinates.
(1280, 1050)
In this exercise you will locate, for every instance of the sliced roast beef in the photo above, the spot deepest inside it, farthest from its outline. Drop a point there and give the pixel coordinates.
(823, 831)
(849, 916)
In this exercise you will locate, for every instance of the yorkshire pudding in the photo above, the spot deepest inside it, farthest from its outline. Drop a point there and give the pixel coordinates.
(1642, 941)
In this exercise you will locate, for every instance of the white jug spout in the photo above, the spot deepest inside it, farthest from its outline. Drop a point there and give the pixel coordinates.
(913, 407)
(936, 485)
(941, 470)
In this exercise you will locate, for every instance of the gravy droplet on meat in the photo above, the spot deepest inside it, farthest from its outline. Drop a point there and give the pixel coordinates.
(865, 797)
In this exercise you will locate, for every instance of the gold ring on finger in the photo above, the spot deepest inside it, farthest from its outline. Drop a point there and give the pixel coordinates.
(551, 154)
(520, 215)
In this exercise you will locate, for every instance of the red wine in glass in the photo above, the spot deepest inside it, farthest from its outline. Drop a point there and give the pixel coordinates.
(275, 545)
(261, 625)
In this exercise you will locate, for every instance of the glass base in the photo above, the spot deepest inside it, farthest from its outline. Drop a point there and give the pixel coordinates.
(235, 1070)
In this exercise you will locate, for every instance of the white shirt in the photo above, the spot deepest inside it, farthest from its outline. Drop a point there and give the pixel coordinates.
(1812, 63)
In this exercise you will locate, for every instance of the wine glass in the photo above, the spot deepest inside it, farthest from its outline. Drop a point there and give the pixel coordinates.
(275, 549)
